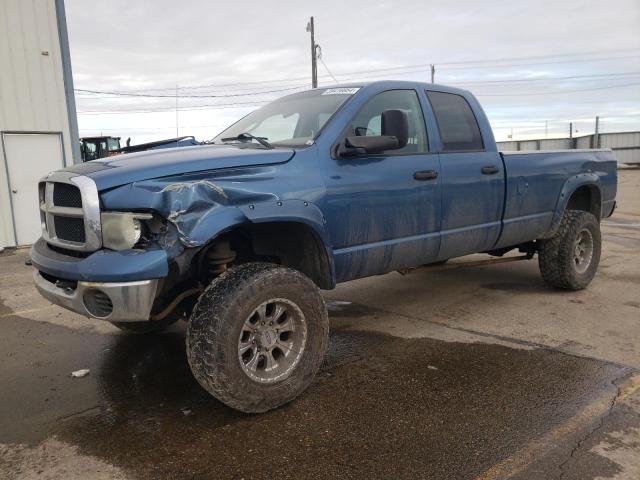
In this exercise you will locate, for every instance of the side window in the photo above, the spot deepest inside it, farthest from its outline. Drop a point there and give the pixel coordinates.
(367, 121)
(90, 151)
(457, 124)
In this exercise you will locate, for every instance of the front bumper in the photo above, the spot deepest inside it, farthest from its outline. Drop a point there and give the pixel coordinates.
(127, 301)
(102, 265)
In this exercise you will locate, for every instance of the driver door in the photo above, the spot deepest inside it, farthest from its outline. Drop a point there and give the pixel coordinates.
(383, 210)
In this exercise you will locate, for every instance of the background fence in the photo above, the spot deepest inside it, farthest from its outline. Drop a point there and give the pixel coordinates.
(626, 145)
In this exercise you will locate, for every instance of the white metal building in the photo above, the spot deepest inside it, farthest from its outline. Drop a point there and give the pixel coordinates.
(38, 125)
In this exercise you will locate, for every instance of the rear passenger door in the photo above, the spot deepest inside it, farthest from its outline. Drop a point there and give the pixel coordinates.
(472, 179)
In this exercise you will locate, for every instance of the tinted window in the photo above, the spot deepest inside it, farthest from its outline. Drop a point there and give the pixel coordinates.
(456, 122)
(368, 120)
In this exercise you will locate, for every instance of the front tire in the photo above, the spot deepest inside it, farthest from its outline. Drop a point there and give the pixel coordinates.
(570, 259)
(257, 336)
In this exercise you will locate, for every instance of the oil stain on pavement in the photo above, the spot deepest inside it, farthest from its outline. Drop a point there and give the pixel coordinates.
(382, 406)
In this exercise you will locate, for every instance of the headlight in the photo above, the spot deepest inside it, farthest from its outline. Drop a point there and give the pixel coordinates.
(121, 230)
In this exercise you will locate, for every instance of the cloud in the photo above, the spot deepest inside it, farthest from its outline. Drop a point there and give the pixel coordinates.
(152, 46)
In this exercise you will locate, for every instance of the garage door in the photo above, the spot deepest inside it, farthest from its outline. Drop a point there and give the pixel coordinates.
(29, 157)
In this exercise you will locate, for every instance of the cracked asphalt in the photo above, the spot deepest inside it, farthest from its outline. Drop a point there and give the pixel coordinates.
(477, 372)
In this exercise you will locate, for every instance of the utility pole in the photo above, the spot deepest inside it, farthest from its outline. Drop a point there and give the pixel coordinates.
(571, 135)
(596, 135)
(314, 62)
(177, 128)
(433, 73)
(546, 128)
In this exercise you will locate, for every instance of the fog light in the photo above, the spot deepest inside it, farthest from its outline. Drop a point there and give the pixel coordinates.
(97, 303)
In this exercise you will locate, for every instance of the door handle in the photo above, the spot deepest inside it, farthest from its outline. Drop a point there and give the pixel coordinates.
(425, 175)
(489, 170)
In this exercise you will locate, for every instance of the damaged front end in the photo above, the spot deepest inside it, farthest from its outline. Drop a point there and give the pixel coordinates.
(178, 232)
(181, 215)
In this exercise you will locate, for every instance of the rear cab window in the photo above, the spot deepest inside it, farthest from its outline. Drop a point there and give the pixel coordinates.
(457, 124)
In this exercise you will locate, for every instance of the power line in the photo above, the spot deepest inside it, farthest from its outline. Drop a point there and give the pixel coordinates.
(422, 69)
(585, 60)
(258, 103)
(129, 94)
(557, 92)
(215, 106)
(533, 57)
(540, 79)
(446, 65)
(327, 68)
(453, 83)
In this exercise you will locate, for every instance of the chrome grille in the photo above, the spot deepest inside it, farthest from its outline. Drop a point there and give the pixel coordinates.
(65, 195)
(70, 211)
(69, 228)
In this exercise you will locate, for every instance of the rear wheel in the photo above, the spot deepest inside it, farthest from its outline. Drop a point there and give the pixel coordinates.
(257, 336)
(570, 259)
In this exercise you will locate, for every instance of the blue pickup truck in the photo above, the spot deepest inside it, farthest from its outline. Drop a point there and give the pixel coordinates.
(316, 188)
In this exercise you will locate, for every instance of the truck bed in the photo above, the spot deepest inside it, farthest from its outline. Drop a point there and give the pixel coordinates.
(536, 182)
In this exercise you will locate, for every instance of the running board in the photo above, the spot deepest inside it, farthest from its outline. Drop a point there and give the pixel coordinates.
(476, 263)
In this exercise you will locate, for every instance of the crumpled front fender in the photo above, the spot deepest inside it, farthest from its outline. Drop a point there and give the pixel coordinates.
(201, 207)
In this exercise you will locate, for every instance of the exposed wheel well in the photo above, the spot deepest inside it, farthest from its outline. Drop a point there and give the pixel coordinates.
(292, 244)
(586, 199)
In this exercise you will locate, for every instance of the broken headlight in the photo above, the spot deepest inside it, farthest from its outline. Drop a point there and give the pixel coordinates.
(122, 230)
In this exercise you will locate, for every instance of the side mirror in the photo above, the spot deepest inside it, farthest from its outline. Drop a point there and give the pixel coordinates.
(354, 146)
(395, 123)
(395, 134)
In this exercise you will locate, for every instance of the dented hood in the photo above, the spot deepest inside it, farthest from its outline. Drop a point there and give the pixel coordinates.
(124, 169)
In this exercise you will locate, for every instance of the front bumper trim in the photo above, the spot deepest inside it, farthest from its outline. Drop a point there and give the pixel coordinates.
(132, 301)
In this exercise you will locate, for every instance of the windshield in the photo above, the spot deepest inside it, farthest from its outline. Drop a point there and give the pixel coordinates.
(291, 121)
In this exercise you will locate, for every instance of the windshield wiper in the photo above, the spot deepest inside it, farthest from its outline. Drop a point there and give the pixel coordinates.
(247, 136)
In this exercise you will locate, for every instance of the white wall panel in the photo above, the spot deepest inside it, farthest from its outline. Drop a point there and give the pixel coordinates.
(507, 146)
(32, 85)
(555, 144)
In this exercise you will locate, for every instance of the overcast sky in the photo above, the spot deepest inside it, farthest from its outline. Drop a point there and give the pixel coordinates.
(529, 62)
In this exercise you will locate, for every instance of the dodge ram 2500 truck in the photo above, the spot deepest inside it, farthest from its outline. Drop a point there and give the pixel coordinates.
(311, 190)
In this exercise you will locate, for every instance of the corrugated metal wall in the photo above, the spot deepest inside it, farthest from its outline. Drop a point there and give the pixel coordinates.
(555, 144)
(32, 84)
(620, 140)
(628, 156)
(584, 142)
(508, 146)
(529, 145)
(625, 145)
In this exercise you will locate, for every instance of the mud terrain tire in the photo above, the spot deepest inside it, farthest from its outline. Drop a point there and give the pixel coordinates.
(218, 326)
(570, 259)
